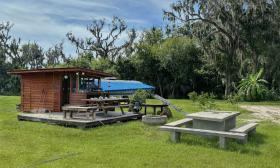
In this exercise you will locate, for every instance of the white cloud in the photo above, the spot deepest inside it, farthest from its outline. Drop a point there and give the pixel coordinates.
(48, 21)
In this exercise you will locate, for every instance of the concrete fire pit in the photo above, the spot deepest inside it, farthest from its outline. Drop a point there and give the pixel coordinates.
(154, 119)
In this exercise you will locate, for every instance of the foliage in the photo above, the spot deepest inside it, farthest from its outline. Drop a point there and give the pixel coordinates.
(272, 95)
(235, 35)
(140, 96)
(193, 96)
(174, 54)
(205, 101)
(33, 56)
(55, 55)
(253, 87)
(161, 61)
(105, 65)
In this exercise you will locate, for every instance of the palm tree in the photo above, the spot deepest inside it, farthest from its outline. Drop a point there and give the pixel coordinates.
(253, 87)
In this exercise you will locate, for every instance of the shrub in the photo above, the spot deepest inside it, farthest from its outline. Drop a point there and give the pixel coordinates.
(193, 96)
(272, 94)
(205, 101)
(140, 96)
(253, 87)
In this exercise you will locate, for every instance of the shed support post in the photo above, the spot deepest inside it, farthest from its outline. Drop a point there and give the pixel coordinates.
(99, 86)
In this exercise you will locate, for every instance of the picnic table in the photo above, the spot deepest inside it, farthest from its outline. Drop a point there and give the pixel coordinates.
(221, 124)
(220, 121)
(77, 109)
(108, 103)
(154, 106)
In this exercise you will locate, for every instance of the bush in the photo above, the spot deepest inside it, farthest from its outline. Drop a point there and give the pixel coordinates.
(206, 101)
(272, 94)
(140, 96)
(253, 88)
(193, 96)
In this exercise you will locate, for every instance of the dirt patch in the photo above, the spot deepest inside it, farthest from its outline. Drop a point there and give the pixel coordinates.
(271, 113)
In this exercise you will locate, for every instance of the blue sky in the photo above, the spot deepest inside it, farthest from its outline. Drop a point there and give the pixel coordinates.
(48, 21)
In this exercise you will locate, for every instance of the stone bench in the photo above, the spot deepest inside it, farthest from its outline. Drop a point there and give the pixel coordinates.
(248, 128)
(176, 134)
(183, 122)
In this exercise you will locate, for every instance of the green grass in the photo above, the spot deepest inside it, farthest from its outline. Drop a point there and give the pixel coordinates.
(130, 144)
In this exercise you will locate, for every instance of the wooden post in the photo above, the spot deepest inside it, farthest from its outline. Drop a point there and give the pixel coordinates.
(175, 136)
(77, 83)
(145, 110)
(122, 110)
(99, 86)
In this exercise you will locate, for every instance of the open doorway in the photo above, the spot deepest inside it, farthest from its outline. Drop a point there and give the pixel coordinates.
(65, 89)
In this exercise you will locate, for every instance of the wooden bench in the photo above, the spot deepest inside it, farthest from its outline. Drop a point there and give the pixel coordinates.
(79, 109)
(248, 128)
(176, 134)
(183, 122)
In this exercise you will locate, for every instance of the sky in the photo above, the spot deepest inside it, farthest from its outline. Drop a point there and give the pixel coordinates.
(48, 21)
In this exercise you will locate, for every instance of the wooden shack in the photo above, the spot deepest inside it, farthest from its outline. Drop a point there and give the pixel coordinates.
(50, 89)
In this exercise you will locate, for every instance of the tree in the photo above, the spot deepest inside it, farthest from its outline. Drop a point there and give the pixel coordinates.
(9, 47)
(9, 59)
(216, 24)
(55, 55)
(106, 41)
(179, 56)
(239, 36)
(147, 66)
(33, 55)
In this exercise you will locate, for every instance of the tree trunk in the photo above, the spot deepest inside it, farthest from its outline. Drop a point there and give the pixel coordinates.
(227, 86)
(160, 87)
(255, 61)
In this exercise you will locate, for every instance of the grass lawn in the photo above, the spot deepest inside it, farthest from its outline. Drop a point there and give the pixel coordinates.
(130, 144)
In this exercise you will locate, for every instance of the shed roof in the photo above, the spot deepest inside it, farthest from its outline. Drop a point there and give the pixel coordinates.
(123, 85)
(87, 72)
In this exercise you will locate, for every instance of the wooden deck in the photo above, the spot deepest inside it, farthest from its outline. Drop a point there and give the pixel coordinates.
(79, 122)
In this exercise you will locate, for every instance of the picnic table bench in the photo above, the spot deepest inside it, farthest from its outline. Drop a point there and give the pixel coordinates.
(186, 121)
(217, 127)
(176, 134)
(77, 109)
(108, 104)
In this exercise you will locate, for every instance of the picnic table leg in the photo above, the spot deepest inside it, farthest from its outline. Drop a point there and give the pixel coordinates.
(222, 142)
(93, 115)
(71, 114)
(154, 110)
(161, 109)
(122, 110)
(175, 136)
(88, 114)
(64, 114)
(145, 110)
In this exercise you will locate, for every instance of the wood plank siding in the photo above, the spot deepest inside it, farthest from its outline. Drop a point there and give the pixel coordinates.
(75, 98)
(41, 91)
(43, 88)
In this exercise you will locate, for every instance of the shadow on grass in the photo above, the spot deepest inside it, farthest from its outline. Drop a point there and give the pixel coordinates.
(251, 147)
